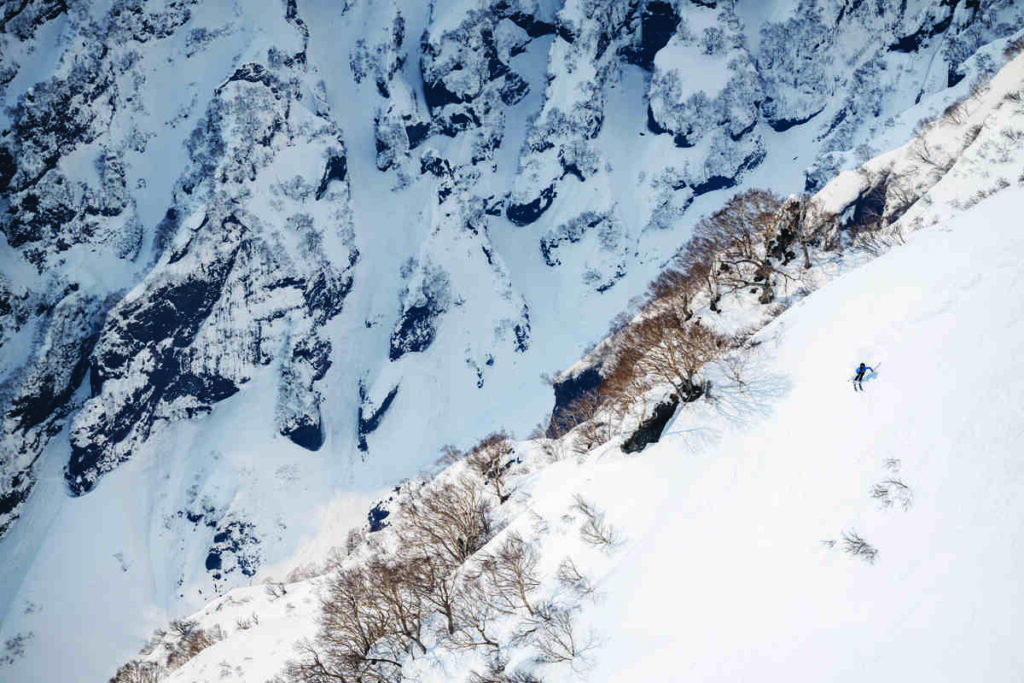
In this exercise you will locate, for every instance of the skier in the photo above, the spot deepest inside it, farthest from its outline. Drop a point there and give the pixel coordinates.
(858, 377)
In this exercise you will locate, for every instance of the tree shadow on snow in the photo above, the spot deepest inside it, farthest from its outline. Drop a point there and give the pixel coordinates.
(743, 391)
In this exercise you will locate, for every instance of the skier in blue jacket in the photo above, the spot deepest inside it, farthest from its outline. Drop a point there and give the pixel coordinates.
(858, 377)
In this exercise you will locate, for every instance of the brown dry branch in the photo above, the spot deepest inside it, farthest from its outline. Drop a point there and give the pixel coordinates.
(581, 410)
(452, 519)
(559, 640)
(508, 576)
(675, 351)
(475, 617)
(624, 386)
(394, 585)
(746, 237)
(137, 671)
(435, 579)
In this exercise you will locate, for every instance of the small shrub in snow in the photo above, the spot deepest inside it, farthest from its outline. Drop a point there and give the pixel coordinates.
(955, 113)
(246, 623)
(595, 529)
(892, 492)
(855, 545)
(354, 539)
(570, 577)
(476, 618)
(304, 572)
(275, 590)
(623, 387)
(924, 153)
(750, 242)
(559, 640)
(590, 435)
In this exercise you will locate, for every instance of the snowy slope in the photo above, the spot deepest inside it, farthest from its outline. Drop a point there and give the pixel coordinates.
(260, 260)
(738, 577)
(733, 565)
(735, 529)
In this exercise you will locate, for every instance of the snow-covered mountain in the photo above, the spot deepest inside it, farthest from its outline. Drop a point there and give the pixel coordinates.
(786, 525)
(262, 260)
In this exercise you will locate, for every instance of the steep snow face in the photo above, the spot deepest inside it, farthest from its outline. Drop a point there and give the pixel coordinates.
(237, 233)
(748, 570)
(738, 530)
(790, 527)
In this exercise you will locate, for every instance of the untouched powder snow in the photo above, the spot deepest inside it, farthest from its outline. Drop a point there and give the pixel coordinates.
(740, 574)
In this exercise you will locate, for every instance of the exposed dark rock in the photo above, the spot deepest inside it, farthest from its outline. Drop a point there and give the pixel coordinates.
(316, 353)
(954, 76)
(164, 324)
(534, 27)
(33, 222)
(437, 95)
(376, 516)
(417, 133)
(514, 90)
(17, 491)
(306, 434)
(493, 206)
(779, 123)
(868, 208)
(369, 417)
(719, 182)
(658, 23)
(435, 165)
(650, 429)
(48, 396)
(652, 123)
(7, 167)
(912, 42)
(235, 547)
(165, 230)
(253, 73)
(24, 17)
(570, 168)
(415, 332)
(336, 169)
(737, 135)
(325, 294)
(522, 334)
(524, 214)
(570, 232)
(683, 140)
(567, 390)
(458, 121)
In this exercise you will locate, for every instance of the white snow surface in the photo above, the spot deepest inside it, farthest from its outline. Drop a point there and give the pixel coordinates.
(745, 491)
(729, 573)
(732, 565)
(728, 570)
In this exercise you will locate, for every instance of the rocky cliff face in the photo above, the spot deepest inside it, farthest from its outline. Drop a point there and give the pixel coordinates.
(359, 196)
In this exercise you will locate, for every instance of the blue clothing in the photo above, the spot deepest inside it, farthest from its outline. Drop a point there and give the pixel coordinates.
(863, 368)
